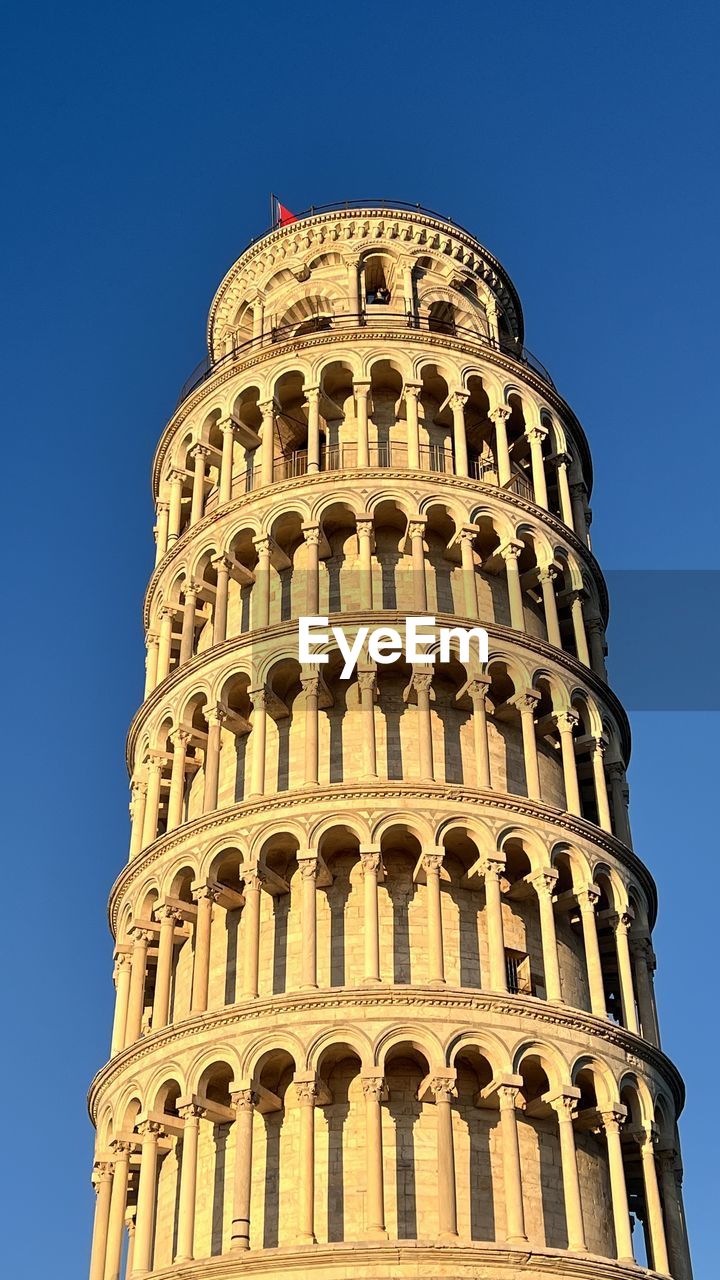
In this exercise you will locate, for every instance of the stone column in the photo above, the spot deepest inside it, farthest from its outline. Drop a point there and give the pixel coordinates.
(536, 435)
(587, 899)
(353, 289)
(468, 533)
(136, 999)
(216, 715)
(258, 697)
(311, 688)
(118, 1205)
(267, 442)
(611, 1121)
(122, 973)
(312, 395)
(500, 416)
(596, 632)
(364, 527)
(179, 739)
(566, 722)
(149, 1131)
(597, 752)
(187, 635)
(370, 864)
(175, 510)
(442, 1089)
(680, 1267)
(362, 391)
(621, 924)
(526, 703)
(656, 1225)
(199, 454)
(311, 534)
(432, 863)
(308, 867)
(261, 588)
(412, 394)
(152, 802)
(191, 1114)
(416, 534)
(366, 686)
(163, 976)
(244, 1101)
(422, 684)
(167, 614)
(152, 641)
(544, 882)
(552, 622)
(512, 1173)
(643, 958)
(102, 1182)
(307, 1092)
(205, 895)
(162, 527)
(372, 1087)
(252, 881)
(617, 791)
(564, 1107)
(130, 1220)
(478, 690)
(138, 793)
(511, 554)
(222, 568)
(457, 405)
(562, 461)
(492, 870)
(578, 622)
(227, 429)
(577, 497)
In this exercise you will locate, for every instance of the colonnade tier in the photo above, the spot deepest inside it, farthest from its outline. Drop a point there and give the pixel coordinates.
(392, 419)
(254, 566)
(354, 1104)
(383, 959)
(247, 719)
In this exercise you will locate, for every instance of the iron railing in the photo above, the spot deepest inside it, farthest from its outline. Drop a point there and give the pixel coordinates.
(353, 320)
(434, 459)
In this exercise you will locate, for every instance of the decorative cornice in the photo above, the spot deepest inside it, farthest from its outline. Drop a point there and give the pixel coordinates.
(399, 999)
(405, 1260)
(517, 639)
(407, 793)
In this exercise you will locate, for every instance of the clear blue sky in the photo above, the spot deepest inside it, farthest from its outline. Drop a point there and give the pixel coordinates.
(579, 142)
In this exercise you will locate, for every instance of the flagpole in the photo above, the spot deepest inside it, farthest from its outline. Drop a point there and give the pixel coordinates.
(273, 209)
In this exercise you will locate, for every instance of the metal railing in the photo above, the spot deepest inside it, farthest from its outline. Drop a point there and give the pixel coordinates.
(396, 320)
(434, 459)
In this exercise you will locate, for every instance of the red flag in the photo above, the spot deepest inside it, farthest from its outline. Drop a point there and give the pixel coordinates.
(284, 216)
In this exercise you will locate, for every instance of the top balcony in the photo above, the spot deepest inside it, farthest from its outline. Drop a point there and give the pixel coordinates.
(374, 316)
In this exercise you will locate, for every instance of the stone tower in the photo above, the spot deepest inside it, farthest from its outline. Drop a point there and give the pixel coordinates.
(383, 953)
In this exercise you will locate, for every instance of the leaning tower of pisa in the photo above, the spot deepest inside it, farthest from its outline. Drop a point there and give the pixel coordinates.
(383, 960)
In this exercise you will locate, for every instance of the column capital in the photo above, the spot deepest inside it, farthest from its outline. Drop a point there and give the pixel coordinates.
(492, 867)
(646, 1137)
(370, 863)
(500, 413)
(222, 561)
(614, 1117)
(536, 434)
(458, 398)
(479, 687)
(361, 386)
(507, 1093)
(421, 681)
(150, 1129)
(122, 1147)
(566, 721)
(564, 1103)
(621, 921)
(216, 713)
(598, 744)
(544, 880)
(616, 769)
(259, 697)
(307, 1090)
(309, 866)
(207, 890)
(102, 1171)
(312, 394)
(263, 544)
(526, 700)
(191, 1110)
(176, 475)
(432, 860)
(367, 679)
(642, 949)
(443, 1087)
(200, 451)
(310, 683)
(253, 878)
(548, 573)
(364, 526)
(588, 897)
(511, 550)
(180, 736)
(416, 526)
(228, 425)
(268, 407)
(412, 389)
(467, 533)
(192, 588)
(244, 1099)
(374, 1087)
(312, 534)
(162, 505)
